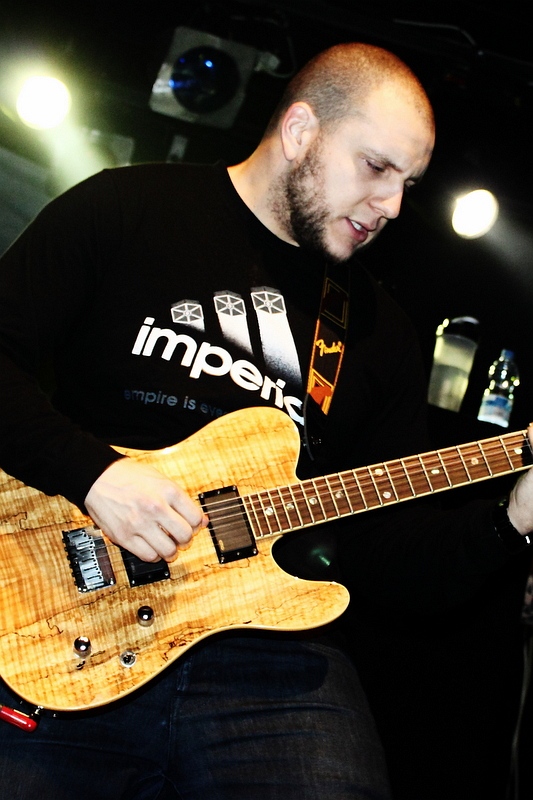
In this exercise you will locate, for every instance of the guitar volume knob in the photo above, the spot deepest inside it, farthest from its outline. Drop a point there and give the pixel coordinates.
(145, 616)
(82, 646)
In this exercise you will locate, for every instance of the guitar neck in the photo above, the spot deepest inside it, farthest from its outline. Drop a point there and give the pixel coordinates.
(310, 502)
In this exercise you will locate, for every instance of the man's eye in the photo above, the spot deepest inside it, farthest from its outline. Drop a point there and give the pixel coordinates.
(375, 167)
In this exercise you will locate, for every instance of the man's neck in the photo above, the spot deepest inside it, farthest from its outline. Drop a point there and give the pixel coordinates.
(254, 181)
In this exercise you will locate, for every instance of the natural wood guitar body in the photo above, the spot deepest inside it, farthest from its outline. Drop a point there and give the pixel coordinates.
(44, 613)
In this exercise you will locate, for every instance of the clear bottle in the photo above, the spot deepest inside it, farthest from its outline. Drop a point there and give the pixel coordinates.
(497, 402)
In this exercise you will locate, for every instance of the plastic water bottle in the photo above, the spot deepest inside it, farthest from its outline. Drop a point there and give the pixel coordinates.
(455, 348)
(497, 402)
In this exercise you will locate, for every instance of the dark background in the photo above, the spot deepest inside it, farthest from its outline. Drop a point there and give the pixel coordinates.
(476, 62)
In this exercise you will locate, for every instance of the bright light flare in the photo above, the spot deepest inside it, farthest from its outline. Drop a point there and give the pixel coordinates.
(475, 213)
(43, 102)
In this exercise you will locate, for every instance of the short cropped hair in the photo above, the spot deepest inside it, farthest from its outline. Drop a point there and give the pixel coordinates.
(336, 82)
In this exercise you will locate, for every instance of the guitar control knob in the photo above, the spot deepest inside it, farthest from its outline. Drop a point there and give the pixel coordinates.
(145, 616)
(82, 646)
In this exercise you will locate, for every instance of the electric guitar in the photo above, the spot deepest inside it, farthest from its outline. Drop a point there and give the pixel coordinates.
(84, 623)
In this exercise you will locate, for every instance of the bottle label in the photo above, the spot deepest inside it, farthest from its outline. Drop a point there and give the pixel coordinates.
(496, 409)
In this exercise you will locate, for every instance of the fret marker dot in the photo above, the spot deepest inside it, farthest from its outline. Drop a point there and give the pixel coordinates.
(518, 450)
(474, 461)
(378, 471)
(269, 511)
(435, 471)
(338, 495)
(290, 506)
(313, 501)
(387, 495)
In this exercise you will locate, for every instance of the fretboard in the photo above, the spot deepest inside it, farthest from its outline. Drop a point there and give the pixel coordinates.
(316, 500)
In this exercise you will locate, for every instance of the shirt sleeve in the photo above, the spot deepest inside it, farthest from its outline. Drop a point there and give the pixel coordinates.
(46, 278)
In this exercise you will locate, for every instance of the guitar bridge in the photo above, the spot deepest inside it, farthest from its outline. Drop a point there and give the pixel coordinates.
(88, 558)
(228, 524)
(91, 566)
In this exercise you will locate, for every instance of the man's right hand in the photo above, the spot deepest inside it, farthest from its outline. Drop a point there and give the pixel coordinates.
(140, 509)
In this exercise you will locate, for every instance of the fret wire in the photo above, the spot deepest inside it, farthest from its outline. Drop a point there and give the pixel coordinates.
(259, 512)
(416, 475)
(346, 493)
(301, 500)
(412, 472)
(327, 479)
(455, 469)
(311, 499)
(268, 511)
(444, 467)
(318, 500)
(281, 511)
(391, 482)
(421, 461)
(403, 483)
(252, 516)
(474, 468)
(435, 474)
(331, 501)
(406, 473)
(506, 454)
(369, 472)
(482, 451)
(361, 492)
(274, 515)
(294, 510)
(338, 494)
(377, 474)
(324, 496)
(362, 495)
(463, 462)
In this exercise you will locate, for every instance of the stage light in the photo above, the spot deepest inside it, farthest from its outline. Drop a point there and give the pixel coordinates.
(78, 152)
(203, 78)
(474, 214)
(43, 102)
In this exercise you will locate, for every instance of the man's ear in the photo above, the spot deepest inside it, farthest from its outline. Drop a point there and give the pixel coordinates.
(299, 128)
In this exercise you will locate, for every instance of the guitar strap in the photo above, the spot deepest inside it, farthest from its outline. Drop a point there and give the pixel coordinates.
(327, 355)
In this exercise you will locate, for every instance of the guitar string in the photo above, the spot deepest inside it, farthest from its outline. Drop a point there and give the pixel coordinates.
(363, 484)
(401, 469)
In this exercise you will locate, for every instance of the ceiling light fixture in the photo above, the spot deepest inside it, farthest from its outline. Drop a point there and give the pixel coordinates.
(203, 78)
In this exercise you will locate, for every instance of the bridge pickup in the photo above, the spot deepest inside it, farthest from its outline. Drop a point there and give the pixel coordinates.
(228, 524)
(140, 573)
(88, 558)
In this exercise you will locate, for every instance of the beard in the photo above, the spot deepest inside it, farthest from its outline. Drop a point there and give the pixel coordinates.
(306, 211)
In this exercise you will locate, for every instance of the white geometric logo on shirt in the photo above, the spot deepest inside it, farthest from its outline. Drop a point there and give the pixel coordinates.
(188, 312)
(229, 303)
(268, 300)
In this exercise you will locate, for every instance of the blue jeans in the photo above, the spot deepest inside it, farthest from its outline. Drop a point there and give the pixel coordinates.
(239, 717)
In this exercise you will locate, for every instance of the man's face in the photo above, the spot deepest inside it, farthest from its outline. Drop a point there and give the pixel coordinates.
(351, 178)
